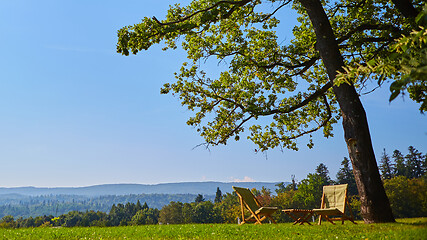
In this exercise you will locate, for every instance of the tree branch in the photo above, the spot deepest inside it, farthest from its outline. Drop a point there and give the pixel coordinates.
(375, 40)
(224, 139)
(338, 6)
(307, 64)
(236, 3)
(307, 100)
(277, 9)
(229, 114)
(364, 27)
(324, 122)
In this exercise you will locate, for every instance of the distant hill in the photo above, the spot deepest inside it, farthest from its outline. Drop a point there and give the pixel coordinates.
(204, 188)
(26, 206)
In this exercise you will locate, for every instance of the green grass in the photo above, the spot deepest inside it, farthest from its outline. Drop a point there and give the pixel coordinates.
(415, 228)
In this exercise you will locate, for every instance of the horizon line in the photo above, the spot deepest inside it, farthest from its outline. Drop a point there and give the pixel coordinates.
(149, 184)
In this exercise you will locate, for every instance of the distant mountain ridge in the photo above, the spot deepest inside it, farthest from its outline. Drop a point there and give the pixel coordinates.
(204, 188)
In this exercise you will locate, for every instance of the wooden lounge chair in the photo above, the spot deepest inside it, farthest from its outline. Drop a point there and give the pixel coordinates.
(258, 212)
(334, 203)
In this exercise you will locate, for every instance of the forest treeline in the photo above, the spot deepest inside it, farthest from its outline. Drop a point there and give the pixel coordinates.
(31, 206)
(404, 177)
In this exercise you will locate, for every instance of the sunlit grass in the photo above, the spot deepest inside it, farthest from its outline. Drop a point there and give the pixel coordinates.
(414, 228)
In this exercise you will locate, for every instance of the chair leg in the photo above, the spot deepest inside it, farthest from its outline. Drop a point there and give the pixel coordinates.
(242, 209)
(351, 220)
(271, 219)
(327, 218)
(305, 219)
(258, 220)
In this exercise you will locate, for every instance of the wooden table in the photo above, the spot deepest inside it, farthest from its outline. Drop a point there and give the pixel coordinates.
(300, 216)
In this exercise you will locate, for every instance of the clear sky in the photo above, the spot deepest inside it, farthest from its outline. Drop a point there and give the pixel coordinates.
(73, 112)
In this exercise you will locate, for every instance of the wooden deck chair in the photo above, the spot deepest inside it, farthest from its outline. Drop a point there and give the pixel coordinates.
(258, 212)
(334, 203)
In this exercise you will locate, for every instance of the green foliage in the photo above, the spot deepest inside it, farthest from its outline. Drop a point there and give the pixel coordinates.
(199, 198)
(411, 55)
(385, 166)
(355, 206)
(120, 215)
(205, 212)
(172, 213)
(345, 176)
(72, 219)
(7, 222)
(146, 216)
(196, 212)
(218, 196)
(229, 207)
(400, 167)
(408, 197)
(405, 63)
(323, 172)
(415, 163)
(281, 187)
(412, 165)
(310, 191)
(285, 200)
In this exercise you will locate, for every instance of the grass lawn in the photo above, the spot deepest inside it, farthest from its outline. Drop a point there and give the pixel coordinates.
(414, 228)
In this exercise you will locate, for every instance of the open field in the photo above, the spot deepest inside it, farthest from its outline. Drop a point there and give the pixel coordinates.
(415, 228)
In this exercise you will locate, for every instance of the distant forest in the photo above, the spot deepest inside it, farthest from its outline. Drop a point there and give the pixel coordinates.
(30, 206)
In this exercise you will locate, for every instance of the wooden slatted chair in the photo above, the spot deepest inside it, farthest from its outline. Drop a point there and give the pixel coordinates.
(258, 212)
(334, 204)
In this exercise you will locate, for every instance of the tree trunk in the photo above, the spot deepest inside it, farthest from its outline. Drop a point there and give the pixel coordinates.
(406, 8)
(375, 206)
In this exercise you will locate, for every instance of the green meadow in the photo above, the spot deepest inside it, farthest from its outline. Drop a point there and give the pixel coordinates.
(413, 228)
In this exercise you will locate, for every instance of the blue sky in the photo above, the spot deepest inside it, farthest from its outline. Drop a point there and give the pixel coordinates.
(73, 112)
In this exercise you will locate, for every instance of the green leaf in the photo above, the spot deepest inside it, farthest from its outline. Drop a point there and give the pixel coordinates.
(393, 95)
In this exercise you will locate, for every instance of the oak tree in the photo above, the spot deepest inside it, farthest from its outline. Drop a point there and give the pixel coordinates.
(278, 91)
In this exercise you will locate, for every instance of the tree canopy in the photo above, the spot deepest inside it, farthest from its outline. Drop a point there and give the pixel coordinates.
(406, 64)
(264, 75)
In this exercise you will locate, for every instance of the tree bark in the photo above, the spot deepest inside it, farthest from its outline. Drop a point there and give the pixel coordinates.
(375, 206)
